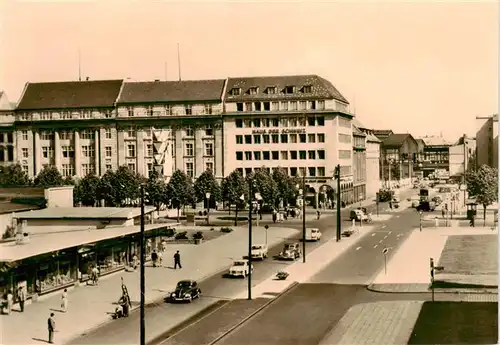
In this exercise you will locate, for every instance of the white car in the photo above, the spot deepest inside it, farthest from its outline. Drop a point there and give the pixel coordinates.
(313, 234)
(259, 251)
(239, 268)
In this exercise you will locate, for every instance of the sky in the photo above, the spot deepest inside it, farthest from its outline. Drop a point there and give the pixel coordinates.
(420, 67)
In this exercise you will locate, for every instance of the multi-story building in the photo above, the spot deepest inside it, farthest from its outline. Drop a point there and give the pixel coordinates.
(191, 112)
(359, 164)
(297, 123)
(398, 152)
(487, 141)
(66, 124)
(372, 170)
(95, 126)
(7, 138)
(434, 161)
(462, 155)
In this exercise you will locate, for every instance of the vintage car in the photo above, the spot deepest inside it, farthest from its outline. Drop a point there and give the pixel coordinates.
(415, 201)
(313, 234)
(259, 251)
(291, 251)
(186, 290)
(239, 268)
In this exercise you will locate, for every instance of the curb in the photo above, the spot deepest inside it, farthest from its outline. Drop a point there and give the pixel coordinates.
(381, 289)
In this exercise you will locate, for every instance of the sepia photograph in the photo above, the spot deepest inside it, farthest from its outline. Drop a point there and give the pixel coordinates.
(226, 172)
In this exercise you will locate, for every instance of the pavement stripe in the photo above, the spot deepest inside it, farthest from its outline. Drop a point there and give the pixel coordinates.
(358, 248)
(375, 246)
(373, 234)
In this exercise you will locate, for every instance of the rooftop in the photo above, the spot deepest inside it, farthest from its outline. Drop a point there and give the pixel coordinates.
(275, 87)
(172, 91)
(84, 213)
(47, 243)
(395, 140)
(10, 207)
(435, 141)
(70, 94)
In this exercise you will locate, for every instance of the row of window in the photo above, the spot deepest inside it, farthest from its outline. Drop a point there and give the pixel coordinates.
(285, 138)
(281, 106)
(276, 155)
(66, 115)
(301, 121)
(167, 109)
(292, 171)
(271, 90)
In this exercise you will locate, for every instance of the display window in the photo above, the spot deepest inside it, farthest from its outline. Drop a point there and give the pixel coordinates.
(53, 274)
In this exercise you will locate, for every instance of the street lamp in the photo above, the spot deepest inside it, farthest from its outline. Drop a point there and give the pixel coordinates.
(339, 219)
(142, 274)
(251, 186)
(267, 228)
(303, 192)
(390, 161)
(421, 213)
(207, 196)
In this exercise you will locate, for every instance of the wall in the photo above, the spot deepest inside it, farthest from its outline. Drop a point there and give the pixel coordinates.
(484, 142)
(372, 168)
(37, 226)
(456, 160)
(59, 196)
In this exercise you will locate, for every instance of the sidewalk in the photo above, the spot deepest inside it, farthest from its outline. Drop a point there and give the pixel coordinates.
(409, 268)
(89, 306)
(301, 272)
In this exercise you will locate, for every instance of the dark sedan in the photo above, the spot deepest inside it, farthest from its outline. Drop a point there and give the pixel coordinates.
(185, 291)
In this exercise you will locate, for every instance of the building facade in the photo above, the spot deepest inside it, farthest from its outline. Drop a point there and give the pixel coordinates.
(297, 123)
(434, 161)
(487, 141)
(359, 165)
(7, 138)
(462, 156)
(398, 154)
(372, 165)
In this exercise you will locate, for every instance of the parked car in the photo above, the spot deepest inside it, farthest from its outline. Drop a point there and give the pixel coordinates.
(313, 234)
(427, 206)
(415, 201)
(186, 291)
(291, 251)
(240, 269)
(259, 251)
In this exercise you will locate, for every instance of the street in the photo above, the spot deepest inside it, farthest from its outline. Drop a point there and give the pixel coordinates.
(355, 267)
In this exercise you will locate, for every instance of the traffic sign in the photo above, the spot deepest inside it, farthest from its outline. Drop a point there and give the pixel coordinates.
(385, 251)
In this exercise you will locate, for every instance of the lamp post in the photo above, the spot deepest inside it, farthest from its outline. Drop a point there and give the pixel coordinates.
(267, 228)
(304, 216)
(339, 219)
(250, 206)
(142, 274)
(207, 196)
(390, 172)
(421, 213)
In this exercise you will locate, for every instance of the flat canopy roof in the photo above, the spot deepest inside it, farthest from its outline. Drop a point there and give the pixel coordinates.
(47, 243)
(84, 213)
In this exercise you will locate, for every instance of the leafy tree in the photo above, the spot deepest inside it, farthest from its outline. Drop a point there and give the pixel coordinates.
(86, 190)
(49, 177)
(206, 183)
(264, 184)
(119, 188)
(286, 186)
(13, 176)
(483, 184)
(156, 189)
(233, 187)
(179, 191)
(69, 181)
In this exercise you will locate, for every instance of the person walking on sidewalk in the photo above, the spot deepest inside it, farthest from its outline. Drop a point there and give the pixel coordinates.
(177, 260)
(51, 324)
(10, 301)
(154, 257)
(64, 301)
(21, 296)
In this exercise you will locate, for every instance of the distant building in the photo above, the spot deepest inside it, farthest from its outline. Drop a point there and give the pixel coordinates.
(398, 157)
(462, 155)
(487, 141)
(7, 139)
(372, 160)
(434, 161)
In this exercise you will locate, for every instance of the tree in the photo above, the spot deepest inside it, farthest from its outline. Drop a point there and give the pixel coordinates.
(156, 189)
(179, 191)
(483, 185)
(206, 183)
(49, 177)
(286, 186)
(86, 190)
(264, 184)
(233, 187)
(119, 188)
(13, 176)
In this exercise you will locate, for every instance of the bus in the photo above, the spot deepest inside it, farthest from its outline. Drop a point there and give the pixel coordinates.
(426, 203)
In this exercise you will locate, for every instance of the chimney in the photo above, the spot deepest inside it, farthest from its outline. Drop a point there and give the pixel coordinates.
(87, 79)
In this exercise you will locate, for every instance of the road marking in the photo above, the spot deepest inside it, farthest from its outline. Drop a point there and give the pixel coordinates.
(390, 232)
(375, 246)
(380, 241)
(384, 226)
(385, 237)
(398, 216)
(373, 234)
(358, 248)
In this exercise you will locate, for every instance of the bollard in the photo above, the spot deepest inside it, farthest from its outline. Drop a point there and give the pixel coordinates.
(436, 220)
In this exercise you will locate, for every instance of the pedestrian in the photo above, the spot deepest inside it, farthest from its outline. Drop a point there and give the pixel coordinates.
(275, 216)
(390, 205)
(22, 298)
(160, 258)
(134, 261)
(10, 301)
(64, 301)
(318, 213)
(443, 212)
(51, 324)
(95, 275)
(177, 260)
(154, 257)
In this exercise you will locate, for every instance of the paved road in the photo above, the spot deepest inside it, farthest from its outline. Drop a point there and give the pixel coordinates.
(161, 317)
